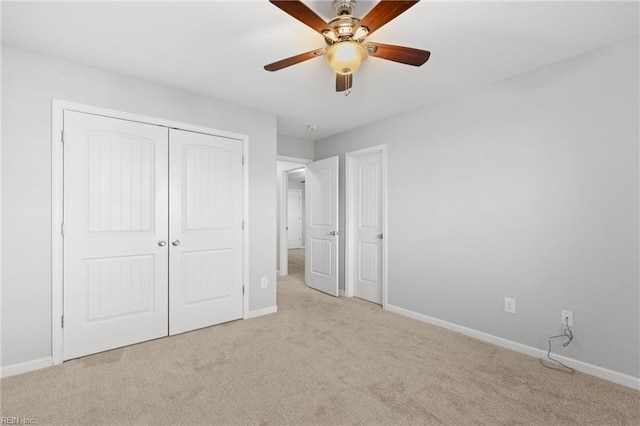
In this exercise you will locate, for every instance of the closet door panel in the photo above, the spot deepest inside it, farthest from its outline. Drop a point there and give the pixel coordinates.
(205, 230)
(115, 215)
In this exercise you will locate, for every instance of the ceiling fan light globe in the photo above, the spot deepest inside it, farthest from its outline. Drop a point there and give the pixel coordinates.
(345, 57)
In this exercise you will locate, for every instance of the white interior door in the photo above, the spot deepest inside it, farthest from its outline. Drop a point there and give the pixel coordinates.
(367, 214)
(294, 218)
(205, 230)
(115, 232)
(321, 208)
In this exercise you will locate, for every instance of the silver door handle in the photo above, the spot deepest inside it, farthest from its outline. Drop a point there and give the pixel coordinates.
(334, 233)
(162, 243)
(175, 243)
(380, 236)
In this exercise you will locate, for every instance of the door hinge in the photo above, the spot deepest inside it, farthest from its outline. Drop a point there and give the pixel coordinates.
(62, 321)
(243, 160)
(62, 136)
(243, 224)
(62, 229)
(243, 290)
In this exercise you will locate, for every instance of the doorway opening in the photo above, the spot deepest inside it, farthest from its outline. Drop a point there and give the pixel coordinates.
(291, 213)
(321, 232)
(295, 221)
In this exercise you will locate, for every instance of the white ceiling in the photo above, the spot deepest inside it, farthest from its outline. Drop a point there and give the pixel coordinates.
(219, 49)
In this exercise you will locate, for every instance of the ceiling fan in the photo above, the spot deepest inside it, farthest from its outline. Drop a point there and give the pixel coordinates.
(345, 36)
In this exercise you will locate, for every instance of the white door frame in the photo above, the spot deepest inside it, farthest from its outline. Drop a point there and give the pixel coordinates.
(57, 171)
(283, 252)
(350, 219)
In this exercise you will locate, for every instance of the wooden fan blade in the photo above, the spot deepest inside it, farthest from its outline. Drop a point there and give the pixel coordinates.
(302, 13)
(384, 12)
(283, 63)
(401, 54)
(343, 82)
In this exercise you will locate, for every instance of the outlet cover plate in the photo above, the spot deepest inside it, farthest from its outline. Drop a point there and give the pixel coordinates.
(566, 314)
(510, 305)
(264, 282)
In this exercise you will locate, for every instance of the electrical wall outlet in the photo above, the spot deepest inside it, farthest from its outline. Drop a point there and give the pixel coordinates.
(264, 282)
(566, 317)
(510, 305)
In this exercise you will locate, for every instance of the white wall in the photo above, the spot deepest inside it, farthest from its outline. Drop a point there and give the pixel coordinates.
(29, 83)
(527, 189)
(289, 146)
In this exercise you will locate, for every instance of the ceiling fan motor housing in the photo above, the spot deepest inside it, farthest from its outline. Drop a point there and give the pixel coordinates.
(343, 26)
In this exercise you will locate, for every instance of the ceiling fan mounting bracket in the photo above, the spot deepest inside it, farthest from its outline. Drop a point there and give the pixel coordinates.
(344, 7)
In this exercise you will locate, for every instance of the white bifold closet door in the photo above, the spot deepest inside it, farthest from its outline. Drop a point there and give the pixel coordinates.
(152, 232)
(205, 265)
(115, 219)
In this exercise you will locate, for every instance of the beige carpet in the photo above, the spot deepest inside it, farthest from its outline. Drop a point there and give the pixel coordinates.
(319, 360)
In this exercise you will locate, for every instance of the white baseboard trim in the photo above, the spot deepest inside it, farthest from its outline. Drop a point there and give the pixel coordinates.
(340, 293)
(261, 312)
(593, 370)
(25, 367)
